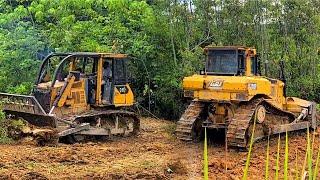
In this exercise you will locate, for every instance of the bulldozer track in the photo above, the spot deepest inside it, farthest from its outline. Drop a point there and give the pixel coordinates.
(185, 125)
(236, 133)
(110, 113)
(95, 113)
(237, 130)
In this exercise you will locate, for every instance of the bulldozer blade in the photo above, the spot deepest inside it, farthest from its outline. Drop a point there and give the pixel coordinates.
(27, 108)
(35, 119)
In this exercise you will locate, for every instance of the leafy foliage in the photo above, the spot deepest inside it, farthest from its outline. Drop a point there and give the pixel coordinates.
(3, 130)
(165, 37)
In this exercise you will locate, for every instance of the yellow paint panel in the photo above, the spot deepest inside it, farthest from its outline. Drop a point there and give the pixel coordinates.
(212, 95)
(123, 99)
(193, 82)
(234, 85)
(118, 97)
(235, 88)
(99, 81)
(66, 92)
(294, 104)
(129, 96)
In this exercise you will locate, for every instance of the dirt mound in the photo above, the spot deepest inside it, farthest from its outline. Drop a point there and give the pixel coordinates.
(176, 167)
(34, 176)
(20, 130)
(5, 177)
(45, 136)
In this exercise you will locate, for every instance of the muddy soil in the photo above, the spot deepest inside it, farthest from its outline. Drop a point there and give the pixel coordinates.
(153, 154)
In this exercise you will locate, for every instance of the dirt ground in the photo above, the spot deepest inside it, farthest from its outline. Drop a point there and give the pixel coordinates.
(153, 154)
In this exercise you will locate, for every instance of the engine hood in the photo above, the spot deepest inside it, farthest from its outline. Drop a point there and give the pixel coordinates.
(222, 83)
(239, 88)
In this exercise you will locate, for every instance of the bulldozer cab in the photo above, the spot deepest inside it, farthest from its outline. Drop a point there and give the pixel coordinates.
(231, 61)
(79, 80)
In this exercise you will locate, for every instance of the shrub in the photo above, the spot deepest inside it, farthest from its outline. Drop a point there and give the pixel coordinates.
(4, 138)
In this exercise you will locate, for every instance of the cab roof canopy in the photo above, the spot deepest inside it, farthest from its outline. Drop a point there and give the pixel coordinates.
(224, 48)
(208, 48)
(93, 54)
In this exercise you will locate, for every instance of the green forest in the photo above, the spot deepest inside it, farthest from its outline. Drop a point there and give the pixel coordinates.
(165, 39)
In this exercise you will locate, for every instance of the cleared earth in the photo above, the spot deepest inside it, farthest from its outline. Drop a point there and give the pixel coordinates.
(153, 154)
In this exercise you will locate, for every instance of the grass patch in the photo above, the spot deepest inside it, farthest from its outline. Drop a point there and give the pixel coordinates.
(169, 128)
(10, 129)
(18, 124)
(31, 165)
(147, 164)
(4, 136)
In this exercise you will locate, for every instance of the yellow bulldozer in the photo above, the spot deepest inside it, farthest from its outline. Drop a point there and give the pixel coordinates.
(230, 94)
(78, 95)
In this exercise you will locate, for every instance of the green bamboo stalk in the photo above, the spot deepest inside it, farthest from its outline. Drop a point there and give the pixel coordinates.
(296, 168)
(313, 138)
(286, 157)
(245, 173)
(304, 164)
(278, 157)
(315, 173)
(205, 157)
(309, 156)
(267, 160)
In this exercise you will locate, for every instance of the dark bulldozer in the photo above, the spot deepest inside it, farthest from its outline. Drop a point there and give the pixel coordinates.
(77, 95)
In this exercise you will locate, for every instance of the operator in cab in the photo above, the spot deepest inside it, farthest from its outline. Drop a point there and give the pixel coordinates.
(106, 83)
